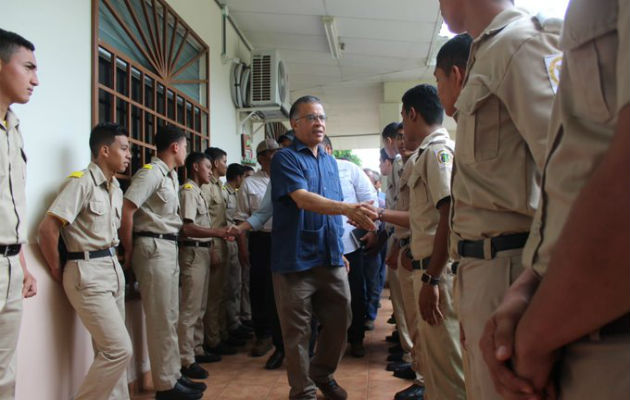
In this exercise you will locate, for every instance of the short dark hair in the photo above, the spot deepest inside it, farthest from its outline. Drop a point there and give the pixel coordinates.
(302, 100)
(327, 142)
(215, 153)
(105, 134)
(167, 135)
(424, 99)
(234, 170)
(247, 168)
(10, 42)
(454, 53)
(192, 159)
(391, 130)
(282, 138)
(385, 156)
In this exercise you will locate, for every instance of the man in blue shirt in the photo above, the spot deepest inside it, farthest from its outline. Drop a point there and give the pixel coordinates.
(307, 253)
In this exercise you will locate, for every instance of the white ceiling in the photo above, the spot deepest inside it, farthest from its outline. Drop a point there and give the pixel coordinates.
(384, 40)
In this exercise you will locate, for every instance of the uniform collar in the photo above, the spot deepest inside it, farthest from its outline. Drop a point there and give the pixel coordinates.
(99, 177)
(229, 188)
(193, 183)
(12, 121)
(262, 173)
(500, 21)
(161, 164)
(215, 181)
(440, 133)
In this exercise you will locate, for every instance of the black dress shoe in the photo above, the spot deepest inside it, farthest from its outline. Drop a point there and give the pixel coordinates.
(395, 357)
(395, 349)
(413, 392)
(194, 371)
(393, 338)
(192, 385)
(275, 360)
(222, 349)
(357, 349)
(179, 392)
(332, 390)
(207, 358)
(393, 366)
(405, 373)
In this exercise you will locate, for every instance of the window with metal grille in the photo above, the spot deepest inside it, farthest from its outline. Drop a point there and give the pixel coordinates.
(149, 69)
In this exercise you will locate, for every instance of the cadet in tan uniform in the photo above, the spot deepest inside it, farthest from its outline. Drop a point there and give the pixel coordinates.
(577, 255)
(194, 263)
(86, 213)
(502, 115)
(150, 212)
(18, 78)
(389, 135)
(215, 321)
(430, 191)
(234, 271)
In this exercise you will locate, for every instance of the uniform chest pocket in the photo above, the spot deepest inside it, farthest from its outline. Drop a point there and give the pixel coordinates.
(588, 66)
(201, 208)
(418, 189)
(479, 116)
(97, 207)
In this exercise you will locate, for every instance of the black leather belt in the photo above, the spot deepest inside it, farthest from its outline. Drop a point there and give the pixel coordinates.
(165, 236)
(620, 326)
(403, 242)
(9, 250)
(88, 255)
(194, 243)
(475, 248)
(421, 264)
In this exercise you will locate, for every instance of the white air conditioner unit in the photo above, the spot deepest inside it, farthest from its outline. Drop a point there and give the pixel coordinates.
(268, 83)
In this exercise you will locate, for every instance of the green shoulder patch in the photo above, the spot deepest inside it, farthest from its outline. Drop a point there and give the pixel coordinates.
(76, 174)
(188, 186)
(444, 157)
(147, 166)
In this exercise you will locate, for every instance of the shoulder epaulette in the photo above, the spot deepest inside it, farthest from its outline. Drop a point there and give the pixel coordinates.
(147, 166)
(76, 174)
(188, 186)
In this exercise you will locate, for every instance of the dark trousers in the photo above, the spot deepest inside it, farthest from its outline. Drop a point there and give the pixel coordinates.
(264, 313)
(356, 279)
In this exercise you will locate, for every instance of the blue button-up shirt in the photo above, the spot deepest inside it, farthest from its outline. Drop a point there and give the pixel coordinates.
(304, 239)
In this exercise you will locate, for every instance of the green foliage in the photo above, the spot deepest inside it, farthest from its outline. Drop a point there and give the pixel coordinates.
(347, 155)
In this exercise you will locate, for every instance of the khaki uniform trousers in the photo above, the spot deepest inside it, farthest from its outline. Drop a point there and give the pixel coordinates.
(96, 290)
(320, 292)
(11, 277)
(155, 264)
(215, 320)
(596, 368)
(410, 284)
(194, 264)
(441, 349)
(399, 310)
(232, 294)
(481, 285)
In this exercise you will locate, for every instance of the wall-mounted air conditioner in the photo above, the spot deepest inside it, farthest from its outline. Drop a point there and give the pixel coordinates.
(268, 81)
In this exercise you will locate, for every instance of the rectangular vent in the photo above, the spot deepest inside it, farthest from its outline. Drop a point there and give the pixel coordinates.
(261, 78)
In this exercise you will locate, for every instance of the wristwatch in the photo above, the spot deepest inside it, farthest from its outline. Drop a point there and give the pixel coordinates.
(428, 279)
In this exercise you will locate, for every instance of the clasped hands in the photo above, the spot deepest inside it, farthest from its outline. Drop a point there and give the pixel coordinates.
(362, 215)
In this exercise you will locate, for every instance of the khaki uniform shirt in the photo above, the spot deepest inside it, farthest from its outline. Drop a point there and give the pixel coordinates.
(91, 209)
(402, 202)
(12, 182)
(593, 89)
(193, 206)
(429, 183)
(393, 183)
(250, 197)
(503, 113)
(231, 202)
(154, 190)
(213, 193)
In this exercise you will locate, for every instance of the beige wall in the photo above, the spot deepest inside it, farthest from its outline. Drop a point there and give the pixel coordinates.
(54, 351)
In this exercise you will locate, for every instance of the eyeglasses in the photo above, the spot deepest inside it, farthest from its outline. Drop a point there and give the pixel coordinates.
(314, 117)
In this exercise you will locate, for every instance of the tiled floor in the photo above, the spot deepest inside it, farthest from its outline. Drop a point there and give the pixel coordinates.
(244, 378)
